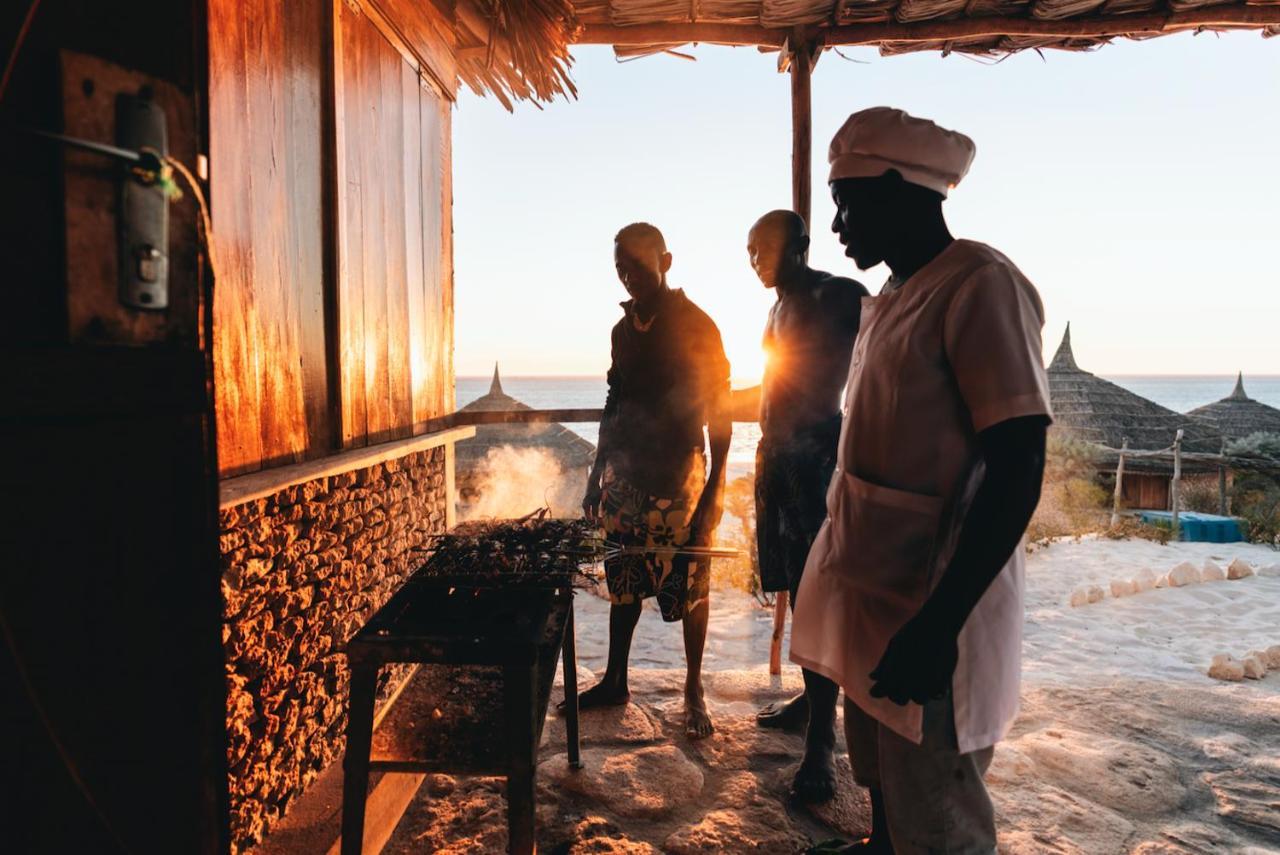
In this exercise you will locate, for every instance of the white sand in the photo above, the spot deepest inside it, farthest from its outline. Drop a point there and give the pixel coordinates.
(1164, 634)
(1124, 743)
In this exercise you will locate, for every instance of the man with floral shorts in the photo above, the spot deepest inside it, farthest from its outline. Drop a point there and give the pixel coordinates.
(650, 487)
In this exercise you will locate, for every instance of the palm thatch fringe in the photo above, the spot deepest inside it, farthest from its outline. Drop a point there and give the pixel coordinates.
(526, 55)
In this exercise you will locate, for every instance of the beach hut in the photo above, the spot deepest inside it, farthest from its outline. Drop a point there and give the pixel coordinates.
(545, 442)
(216, 486)
(1091, 409)
(1237, 415)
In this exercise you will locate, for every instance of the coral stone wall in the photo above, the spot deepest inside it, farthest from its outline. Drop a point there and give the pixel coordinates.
(303, 569)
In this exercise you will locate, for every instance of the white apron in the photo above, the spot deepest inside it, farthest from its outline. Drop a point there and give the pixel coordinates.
(952, 351)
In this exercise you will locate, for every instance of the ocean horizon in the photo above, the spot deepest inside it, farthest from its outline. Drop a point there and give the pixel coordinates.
(1178, 392)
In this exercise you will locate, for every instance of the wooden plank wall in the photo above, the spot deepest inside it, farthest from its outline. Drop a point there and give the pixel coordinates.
(394, 283)
(266, 74)
(296, 381)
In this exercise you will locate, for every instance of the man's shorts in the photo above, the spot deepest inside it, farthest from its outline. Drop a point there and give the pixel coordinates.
(791, 503)
(632, 517)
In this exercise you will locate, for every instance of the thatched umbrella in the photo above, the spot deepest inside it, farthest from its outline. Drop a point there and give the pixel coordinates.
(1237, 415)
(1088, 408)
(573, 454)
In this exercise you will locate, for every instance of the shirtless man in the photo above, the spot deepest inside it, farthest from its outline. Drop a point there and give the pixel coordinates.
(650, 487)
(809, 339)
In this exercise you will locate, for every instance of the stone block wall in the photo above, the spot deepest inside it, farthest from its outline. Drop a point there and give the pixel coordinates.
(303, 569)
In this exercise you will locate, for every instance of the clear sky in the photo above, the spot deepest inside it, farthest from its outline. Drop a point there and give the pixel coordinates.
(1138, 187)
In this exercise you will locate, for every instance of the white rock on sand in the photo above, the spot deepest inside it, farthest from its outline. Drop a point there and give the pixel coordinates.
(1123, 587)
(1185, 573)
(1211, 572)
(1226, 668)
(1145, 580)
(1272, 656)
(1254, 667)
(1239, 569)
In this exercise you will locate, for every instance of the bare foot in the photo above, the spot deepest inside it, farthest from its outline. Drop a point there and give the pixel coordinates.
(790, 715)
(600, 695)
(815, 780)
(697, 722)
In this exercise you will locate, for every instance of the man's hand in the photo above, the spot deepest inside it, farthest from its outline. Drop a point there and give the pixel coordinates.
(918, 664)
(591, 502)
(706, 517)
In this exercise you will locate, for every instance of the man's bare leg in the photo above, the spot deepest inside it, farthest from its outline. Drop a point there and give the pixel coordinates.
(815, 780)
(697, 722)
(612, 689)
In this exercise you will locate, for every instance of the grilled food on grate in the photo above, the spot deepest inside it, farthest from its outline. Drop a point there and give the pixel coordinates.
(534, 547)
(537, 547)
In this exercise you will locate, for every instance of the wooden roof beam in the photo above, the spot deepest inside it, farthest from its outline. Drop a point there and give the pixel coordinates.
(1215, 17)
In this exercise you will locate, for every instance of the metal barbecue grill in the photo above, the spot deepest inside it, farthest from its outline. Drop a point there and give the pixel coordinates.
(486, 615)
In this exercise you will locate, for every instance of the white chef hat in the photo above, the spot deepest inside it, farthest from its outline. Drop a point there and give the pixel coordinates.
(873, 141)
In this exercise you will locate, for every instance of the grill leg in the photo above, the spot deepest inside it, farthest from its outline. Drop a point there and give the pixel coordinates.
(355, 763)
(571, 691)
(519, 686)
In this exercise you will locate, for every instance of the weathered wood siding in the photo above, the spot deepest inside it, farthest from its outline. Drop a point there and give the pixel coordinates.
(266, 140)
(311, 357)
(394, 294)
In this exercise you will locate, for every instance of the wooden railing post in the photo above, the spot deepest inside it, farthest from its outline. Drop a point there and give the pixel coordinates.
(1115, 501)
(1177, 479)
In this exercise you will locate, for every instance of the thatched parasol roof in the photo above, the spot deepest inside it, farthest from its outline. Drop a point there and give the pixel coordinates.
(570, 450)
(1088, 408)
(519, 48)
(1237, 415)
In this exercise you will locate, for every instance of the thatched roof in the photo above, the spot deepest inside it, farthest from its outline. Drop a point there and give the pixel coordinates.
(1088, 408)
(1237, 415)
(569, 449)
(519, 48)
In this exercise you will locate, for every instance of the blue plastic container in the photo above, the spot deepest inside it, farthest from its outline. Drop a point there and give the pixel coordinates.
(1197, 527)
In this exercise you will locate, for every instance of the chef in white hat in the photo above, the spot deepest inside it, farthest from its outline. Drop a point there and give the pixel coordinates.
(911, 598)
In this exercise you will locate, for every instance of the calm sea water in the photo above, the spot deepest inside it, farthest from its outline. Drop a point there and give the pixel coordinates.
(1175, 392)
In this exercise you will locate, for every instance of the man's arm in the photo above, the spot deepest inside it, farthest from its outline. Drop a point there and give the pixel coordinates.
(713, 366)
(604, 445)
(706, 517)
(921, 658)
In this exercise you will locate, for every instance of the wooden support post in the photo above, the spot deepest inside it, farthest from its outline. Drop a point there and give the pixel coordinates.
(1115, 501)
(779, 629)
(355, 763)
(521, 703)
(1222, 483)
(802, 61)
(803, 57)
(570, 659)
(1177, 479)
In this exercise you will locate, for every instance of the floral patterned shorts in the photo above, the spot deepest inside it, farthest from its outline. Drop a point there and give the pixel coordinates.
(634, 518)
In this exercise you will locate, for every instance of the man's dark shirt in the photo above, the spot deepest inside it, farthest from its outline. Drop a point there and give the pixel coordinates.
(663, 384)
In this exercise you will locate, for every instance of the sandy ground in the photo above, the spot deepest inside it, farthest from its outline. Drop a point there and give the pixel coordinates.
(1124, 744)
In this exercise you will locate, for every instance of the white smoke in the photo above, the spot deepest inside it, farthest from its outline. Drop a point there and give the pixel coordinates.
(511, 482)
